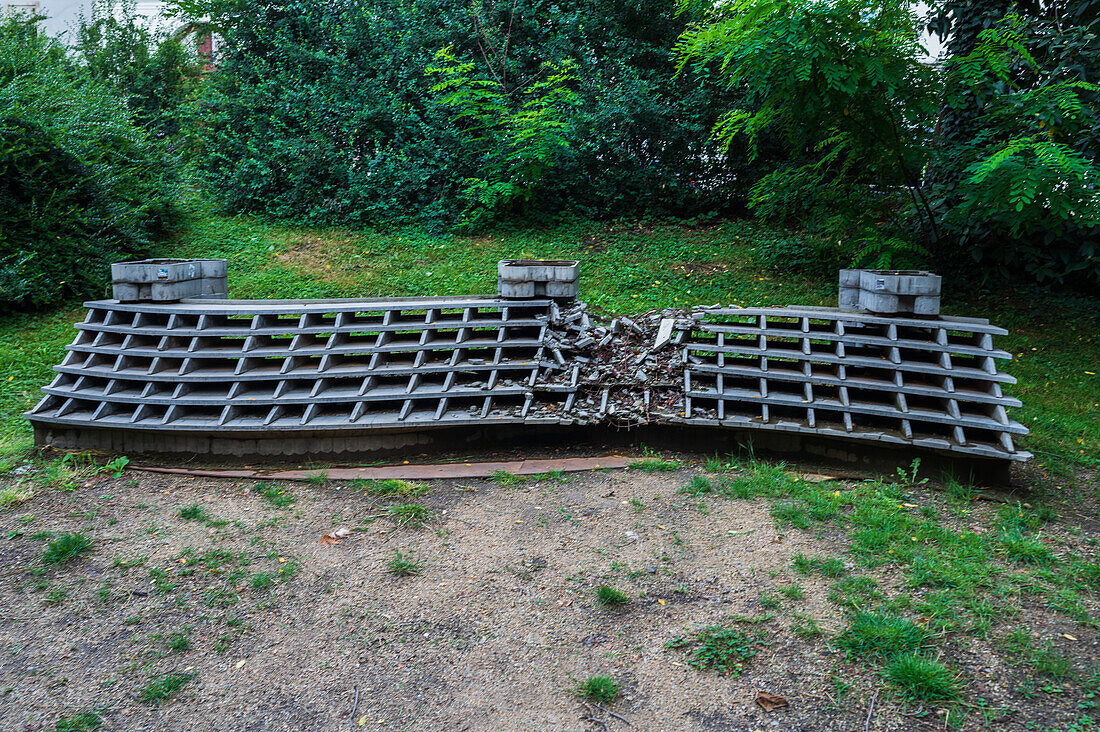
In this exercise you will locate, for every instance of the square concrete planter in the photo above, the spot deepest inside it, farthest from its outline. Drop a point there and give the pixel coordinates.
(526, 278)
(168, 280)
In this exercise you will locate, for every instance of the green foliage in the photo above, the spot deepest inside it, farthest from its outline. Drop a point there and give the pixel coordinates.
(654, 465)
(80, 186)
(884, 636)
(922, 678)
(608, 596)
(602, 689)
(402, 565)
(410, 515)
(66, 547)
(160, 688)
(1017, 177)
(351, 113)
(506, 479)
(194, 512)
(273, 494)
(723, 649)
(391, 487)
(83, 722)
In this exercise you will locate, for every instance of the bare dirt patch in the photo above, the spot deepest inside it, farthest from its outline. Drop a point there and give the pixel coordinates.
(495, 631)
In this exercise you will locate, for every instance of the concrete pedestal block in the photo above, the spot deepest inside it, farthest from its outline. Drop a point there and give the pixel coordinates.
(527, 278)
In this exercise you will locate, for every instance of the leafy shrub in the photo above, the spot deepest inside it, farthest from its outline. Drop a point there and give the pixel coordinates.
(80, 186)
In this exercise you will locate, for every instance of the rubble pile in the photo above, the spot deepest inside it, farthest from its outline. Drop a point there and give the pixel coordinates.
(622, 370)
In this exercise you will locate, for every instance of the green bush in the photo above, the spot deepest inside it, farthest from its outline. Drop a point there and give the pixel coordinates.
(80, 186)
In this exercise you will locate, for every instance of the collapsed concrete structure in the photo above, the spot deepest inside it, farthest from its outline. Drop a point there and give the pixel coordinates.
(310, 378)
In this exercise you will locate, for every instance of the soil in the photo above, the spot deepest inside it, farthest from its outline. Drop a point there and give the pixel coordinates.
(494, 633)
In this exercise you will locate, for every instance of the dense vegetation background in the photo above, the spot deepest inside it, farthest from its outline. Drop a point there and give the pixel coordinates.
(822, 117)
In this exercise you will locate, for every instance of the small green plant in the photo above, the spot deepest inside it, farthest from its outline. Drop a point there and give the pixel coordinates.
(602, 689)
(402, 565)
(855, 593)
(1043, 657)
(654, 465)
(506, 479)
(610, 597)
(161, 688)
(262, 580)
(921, 678)
(194, 512)
(117, 466)
(792, 592)
(14, 495)
(718, 648)
(120, 563)
(179, 642)
(883, 636)
(410, 515)
(831, 567)
(66, 547)
(699, 485)
(56, 596)
(804, 626)
(161, 584)
(1025, 549)
(791, 513)
(909, 479)
(552, 476)
(391, 487)
(319, 478)
(767, 601)
(83, 722)
(276, 496)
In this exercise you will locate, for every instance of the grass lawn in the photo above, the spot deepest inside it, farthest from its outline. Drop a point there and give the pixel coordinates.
(672, 591)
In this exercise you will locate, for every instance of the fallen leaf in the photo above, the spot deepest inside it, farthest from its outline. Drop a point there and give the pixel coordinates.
(769, 702)
(660, 602)
(240, 663)
(362, 721)
(333, 537)
(1067, 636)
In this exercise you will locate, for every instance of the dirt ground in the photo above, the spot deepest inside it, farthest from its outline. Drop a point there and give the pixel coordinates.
(494, 633)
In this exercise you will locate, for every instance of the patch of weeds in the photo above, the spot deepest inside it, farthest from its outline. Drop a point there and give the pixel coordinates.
(1023, 549)
(922, 678)
(219, 597)
(1044, 658)
(804, 626)
(763, 479)
(290, 566)
(179, 642)
(611, 597)
(719, 648)
(262, 580)
(120, 563)
(602, 689)
(768, 602)
(161, 688)
(319, 478)
(391, 487)
(792, 592)
(161, 583)
(855, 592)
(636, 504)
(874, 635)
(66, 547)
(56, 596)
(654, 465)
(552, 476)
(195, 512)
(273, 494)
(1069, 603)
(117, 466)
(831, 567)
(791, 513)
(83, 722)
(410, 515)
(402, 565)
(506, 479)
(698, 486)
(14, 495)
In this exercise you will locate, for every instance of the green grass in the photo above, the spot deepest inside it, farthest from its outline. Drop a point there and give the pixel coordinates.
(699, 485)
(506, 479)
(273, 494)
(402, 565)
(263, 580)
(1043, 658)
(830, 567)
(179, 642)
(161, 688)
(922, 678)
(874, 635)
(66, 547)
(194, 512)
(607, 596)
(82, 722)
(654, 465)
(603, 689)
(717, 648)
(391, 487)
(410, 515)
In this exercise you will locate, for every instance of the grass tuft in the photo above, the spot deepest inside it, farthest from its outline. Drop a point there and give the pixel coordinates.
(161, 688)
(883, 636)
(610, 597)
(654, 465)
(83, 722)
(921, 678)
(599, 689)
(699, 485)
(65, 548)
(391, 487)
(403, 566)
(194, 512)
(410, 515)
(506, 479)
(273, 494)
